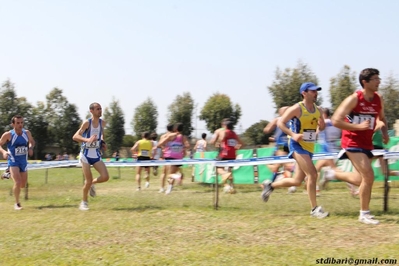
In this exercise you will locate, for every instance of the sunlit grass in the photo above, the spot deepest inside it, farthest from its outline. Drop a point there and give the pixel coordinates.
(125, 227)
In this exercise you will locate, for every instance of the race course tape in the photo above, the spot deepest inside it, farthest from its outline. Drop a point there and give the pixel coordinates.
(227, 163)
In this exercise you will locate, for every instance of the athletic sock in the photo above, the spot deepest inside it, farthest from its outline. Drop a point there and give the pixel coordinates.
(362, 213)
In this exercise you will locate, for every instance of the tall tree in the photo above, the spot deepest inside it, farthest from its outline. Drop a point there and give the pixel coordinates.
(390, 92)
(11, 105)
(37, 124)
(341, 86)
(129, 140)
(181, 110)
(255, 133)
(218, 107)
(70, 122)
(63, 120)
(285, 87)
(145, 118)
(115, 130)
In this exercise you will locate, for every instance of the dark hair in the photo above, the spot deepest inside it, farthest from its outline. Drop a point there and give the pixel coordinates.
(230, 125)
(327, 112)
(15, 117)
(146, 135)
(169, 127)
(154, 136)
(92, 105)
(179, 127)
(203, 135)
(366, 74)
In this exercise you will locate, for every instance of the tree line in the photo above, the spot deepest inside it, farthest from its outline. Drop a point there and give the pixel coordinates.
(55, 120)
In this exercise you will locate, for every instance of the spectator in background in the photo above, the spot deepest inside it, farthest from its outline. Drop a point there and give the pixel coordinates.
(200, 146)
(115, 155)
(48, 157)
(65, 156)
(156, 152)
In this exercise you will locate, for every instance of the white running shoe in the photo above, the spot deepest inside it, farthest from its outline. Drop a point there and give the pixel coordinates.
(267, 190)
(93, 192)
(368, 219)
(226, 189)
(354, 190)
(17, 207)
(161, 190)
(84, 206)
(319, 213)
(229, 189)
(6, 175)
(169, 189)
(147, 184)
(329, 175)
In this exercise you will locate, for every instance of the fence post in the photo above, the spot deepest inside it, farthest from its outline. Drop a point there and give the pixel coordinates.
(386, 184)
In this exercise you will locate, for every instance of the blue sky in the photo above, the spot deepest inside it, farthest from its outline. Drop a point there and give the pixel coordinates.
(132, 50)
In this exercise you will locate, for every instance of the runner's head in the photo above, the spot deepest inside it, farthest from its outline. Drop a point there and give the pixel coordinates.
(170, 127)
(154, 136)
(179, 127)
(146, 135)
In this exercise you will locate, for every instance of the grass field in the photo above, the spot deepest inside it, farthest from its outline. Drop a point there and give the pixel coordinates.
(125, 227)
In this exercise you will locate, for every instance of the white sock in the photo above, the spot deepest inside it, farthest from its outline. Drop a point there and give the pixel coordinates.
(363, 213)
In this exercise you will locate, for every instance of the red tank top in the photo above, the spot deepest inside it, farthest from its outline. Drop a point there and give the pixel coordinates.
(364, 110)
(228, 150)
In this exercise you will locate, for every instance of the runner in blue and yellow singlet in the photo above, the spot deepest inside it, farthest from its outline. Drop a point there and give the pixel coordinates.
(305, 119)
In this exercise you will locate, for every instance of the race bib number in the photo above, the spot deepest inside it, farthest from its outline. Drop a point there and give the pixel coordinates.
(176, 148)
(309, 135)
(231, 142)
(358, 119)
(93, 145)
(22, 150)
(144, 153)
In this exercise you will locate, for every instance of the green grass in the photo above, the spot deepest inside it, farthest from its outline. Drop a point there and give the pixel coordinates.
(125, 227)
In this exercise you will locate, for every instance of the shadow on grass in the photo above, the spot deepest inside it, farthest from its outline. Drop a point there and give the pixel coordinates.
(353, 214)
(139, 208)
(51, 206)
(379, 213)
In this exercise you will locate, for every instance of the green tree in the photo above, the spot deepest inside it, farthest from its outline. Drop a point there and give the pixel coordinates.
(70, 122)
(218, 107)
(145, 118)
(181, 110)
(255, 134)
(11, 105)
(115, 129)
(390, 92)
(63, 120)
(285, 87)
(37, 124)
(129, 140)
(341, 86)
